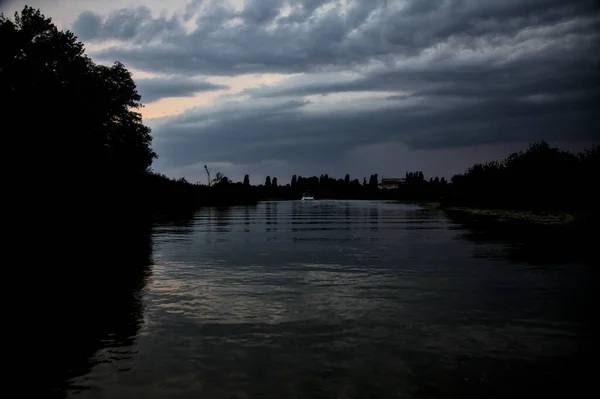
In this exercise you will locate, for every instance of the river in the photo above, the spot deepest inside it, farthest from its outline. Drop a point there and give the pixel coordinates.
(341, 299)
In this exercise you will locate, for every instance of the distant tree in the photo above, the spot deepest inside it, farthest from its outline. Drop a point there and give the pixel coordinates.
(347, 179)
(540, 178)
(268, 181)
(415, 177)
(246, 180)
(274, 182)
(364, 181)
(373, 180)
(218, 178)
(221, 180)
(443, 180)
(294, 181)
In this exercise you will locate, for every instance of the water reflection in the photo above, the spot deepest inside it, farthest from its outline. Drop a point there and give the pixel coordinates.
(374, 218)
(548, 256)
(178, 226)
(536, 244)
(222, 218)
(214, 219)
(247, 216)
(271, 216)
(345, 300)
(96, 307)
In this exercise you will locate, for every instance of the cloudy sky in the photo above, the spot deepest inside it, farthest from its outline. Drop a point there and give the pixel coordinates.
(348, 86)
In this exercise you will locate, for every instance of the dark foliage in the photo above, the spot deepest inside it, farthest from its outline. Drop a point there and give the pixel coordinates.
(73, 123)
(169, 196)
(71, 112)
(325, 187)
(540, 178)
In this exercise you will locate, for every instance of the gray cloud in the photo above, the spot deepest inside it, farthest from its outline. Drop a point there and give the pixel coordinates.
(156, 88)
(260, 11)
(449, 74)
(363, 32)
(88, 26)
(290, 132)
(550, 70)
(129, 24)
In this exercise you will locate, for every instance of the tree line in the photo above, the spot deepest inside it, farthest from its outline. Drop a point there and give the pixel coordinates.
(327, 187)
(539, 178)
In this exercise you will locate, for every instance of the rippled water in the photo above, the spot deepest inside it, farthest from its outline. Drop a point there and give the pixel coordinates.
(341, 299)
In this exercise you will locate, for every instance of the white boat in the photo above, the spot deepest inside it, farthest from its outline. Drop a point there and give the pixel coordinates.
(307, 197)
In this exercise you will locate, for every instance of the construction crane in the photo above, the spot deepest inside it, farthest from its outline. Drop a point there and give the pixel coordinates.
(208, 173)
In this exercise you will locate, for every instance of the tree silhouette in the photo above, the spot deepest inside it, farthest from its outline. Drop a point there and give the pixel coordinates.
(274, 182)
(88, 118)
(373, 180)
(268, 181)
(246, 180)
(539, 178)
(221, 180)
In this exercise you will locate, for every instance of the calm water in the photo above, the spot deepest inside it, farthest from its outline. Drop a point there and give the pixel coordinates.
(341, 299)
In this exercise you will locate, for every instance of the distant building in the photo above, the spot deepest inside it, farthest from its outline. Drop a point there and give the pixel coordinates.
(391, 183)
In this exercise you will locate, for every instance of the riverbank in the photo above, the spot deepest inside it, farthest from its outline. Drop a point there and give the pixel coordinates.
(511, 215)
(425, 204)
(506, 215)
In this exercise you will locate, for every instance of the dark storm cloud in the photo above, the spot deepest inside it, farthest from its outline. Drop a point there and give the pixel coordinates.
(156, 88)
(218, 47)
(128, 24)
(294, 134)
(364, 31)
(88, 26)
(562, 69)
(260, 11)
(448, 74)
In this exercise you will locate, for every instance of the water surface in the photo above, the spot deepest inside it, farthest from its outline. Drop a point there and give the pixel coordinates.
(342, 299)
